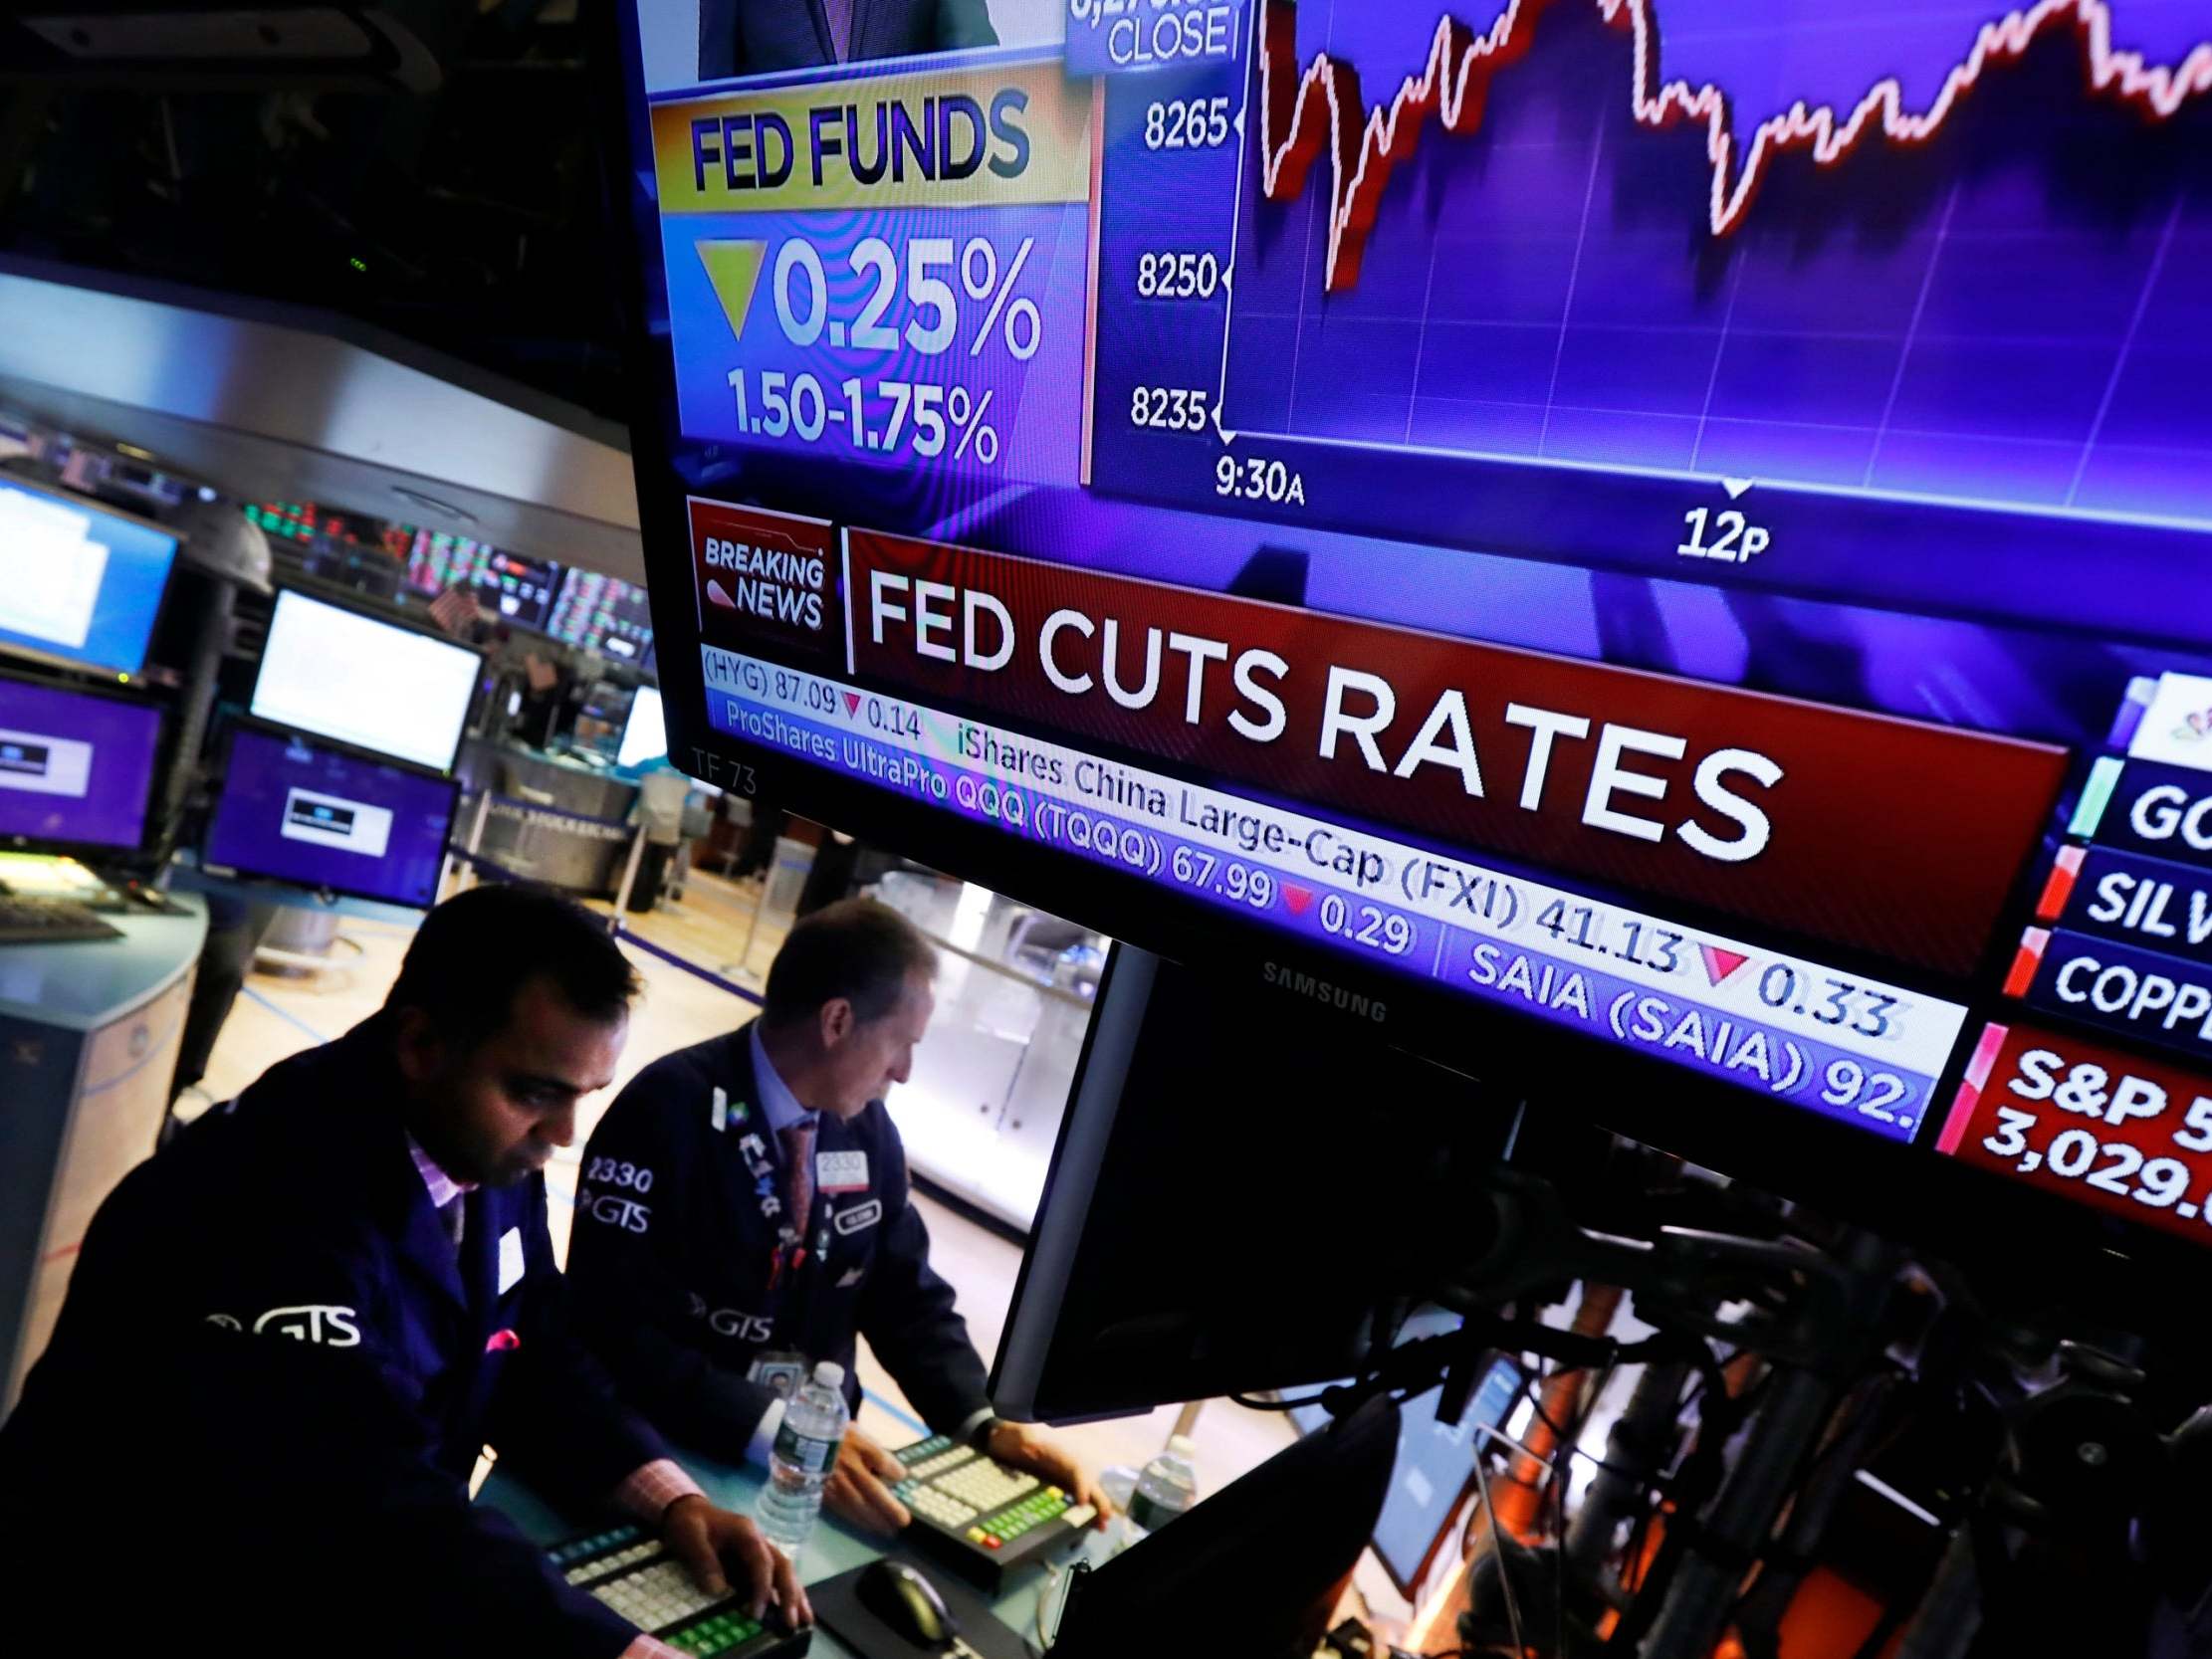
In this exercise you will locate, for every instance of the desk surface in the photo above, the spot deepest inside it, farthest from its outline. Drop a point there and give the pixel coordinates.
(83, 984)
(832, 1549)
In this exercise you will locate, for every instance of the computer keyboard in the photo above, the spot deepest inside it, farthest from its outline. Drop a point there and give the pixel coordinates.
(29, 919)
(978, 1516)
(633, 1574)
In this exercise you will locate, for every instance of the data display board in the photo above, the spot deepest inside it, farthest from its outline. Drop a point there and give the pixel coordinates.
(1653, 541)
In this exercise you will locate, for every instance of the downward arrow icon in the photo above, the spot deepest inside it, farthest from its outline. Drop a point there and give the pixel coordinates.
(1720, 963)
(852, 702)
(1296, 897)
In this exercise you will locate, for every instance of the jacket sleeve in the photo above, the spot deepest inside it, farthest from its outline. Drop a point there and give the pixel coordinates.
(627, 1275)
(556, 1414)
(277, 1352)
(907, 1313)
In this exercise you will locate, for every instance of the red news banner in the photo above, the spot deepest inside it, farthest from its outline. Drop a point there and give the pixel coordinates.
(1886, 834)
(2124, 1134)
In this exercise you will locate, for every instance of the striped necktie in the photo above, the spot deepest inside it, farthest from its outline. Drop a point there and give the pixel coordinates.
(798, 1171)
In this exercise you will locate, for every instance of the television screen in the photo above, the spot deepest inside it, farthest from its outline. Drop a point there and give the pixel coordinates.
(644, 737)
(1577, 537)
(301, 812)
(341, 674)
(78, 586)
(601, 613)
(76, 768)
(516, 590)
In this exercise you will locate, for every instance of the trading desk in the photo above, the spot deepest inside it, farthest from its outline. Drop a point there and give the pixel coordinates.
(834, 1549)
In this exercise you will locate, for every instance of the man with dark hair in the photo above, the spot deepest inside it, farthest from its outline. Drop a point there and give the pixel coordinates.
(292, 1331)
(744, 1214)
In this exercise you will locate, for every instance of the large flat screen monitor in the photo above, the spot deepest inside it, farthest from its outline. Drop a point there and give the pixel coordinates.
(77, 767)
(304, 812)
(339, 672)
(1571, 537)
(80, 585)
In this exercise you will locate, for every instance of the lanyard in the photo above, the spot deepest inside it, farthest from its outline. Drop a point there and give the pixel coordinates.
(790, 1230)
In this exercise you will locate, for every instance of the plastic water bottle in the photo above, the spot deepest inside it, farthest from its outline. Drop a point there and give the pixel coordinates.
(805, 1451)
(1168, 1485)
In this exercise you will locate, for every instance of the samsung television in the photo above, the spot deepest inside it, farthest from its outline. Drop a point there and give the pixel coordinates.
(1580, 539)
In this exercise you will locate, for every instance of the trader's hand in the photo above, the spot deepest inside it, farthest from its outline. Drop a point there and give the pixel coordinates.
(859, 1489)
(1024, 1448)
(713, 1542)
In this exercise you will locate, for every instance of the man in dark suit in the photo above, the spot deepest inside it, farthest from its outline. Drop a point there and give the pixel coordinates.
(293, 1331)
(744, 1213)
(754, 36)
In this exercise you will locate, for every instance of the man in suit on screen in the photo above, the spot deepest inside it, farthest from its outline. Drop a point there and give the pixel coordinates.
(754, 37)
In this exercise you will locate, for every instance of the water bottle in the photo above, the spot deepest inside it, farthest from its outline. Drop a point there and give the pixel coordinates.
(1168, 1485)
(805, 1451)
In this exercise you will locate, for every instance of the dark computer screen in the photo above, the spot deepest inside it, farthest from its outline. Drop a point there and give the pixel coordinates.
(302, 812)
(1575, 535)
(516, 590)
(78, 586)
(604, 614)
(76, 768)
(1436, 1461)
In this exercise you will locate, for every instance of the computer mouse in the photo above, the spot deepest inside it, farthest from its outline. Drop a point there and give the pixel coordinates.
(908, 1602)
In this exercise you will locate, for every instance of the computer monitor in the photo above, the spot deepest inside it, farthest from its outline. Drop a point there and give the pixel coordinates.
(77, 767)
(1247, 1570)
(644, 735)
(292, 810)
(80, 585)
(1437, 1461)
(1478, 518)
(1234, 1197)
(335, 672)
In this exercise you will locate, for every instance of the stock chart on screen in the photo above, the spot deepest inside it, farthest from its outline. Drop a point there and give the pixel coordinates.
(1647, 281)
(1682, 527)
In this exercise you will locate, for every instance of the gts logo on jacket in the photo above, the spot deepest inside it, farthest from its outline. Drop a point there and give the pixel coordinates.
(615, 1210)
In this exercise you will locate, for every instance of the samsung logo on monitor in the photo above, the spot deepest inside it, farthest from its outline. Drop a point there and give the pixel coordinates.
(1357, 1003)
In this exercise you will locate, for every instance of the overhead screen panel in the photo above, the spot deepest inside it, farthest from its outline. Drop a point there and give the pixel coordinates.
(78, 586)
(1618, 571)
(339, 673)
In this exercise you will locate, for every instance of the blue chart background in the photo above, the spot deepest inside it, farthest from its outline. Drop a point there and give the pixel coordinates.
(2015, 312)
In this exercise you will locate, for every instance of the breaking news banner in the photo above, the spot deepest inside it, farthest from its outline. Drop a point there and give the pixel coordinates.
(1885, 834)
